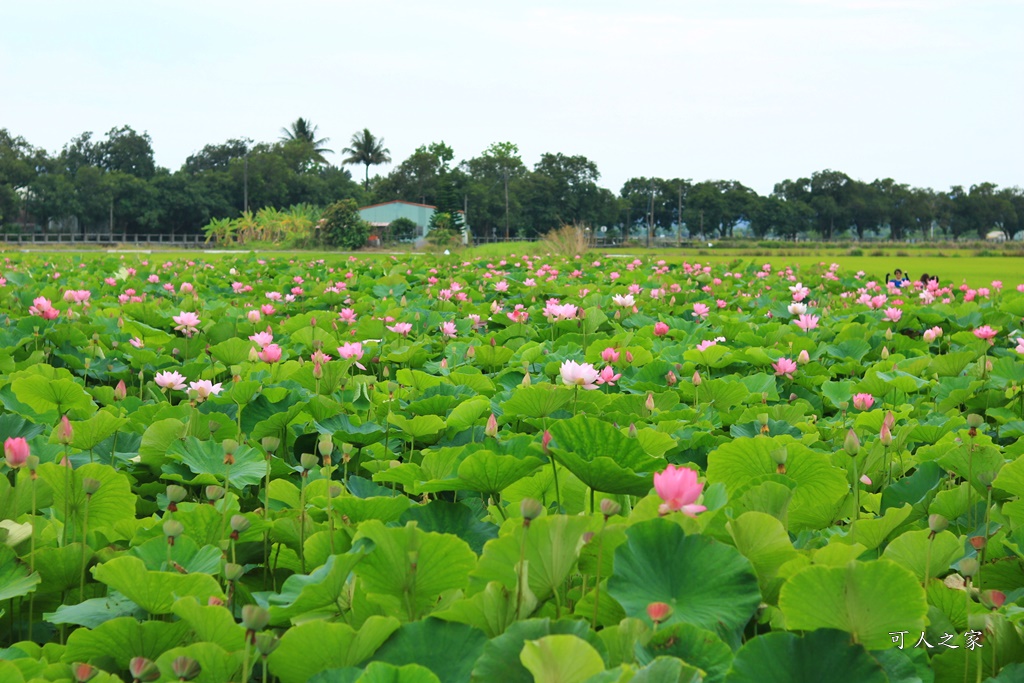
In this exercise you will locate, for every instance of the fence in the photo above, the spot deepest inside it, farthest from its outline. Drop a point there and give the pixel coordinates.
(104, 238)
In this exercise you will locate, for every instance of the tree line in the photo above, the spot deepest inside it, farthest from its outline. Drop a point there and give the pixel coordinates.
(112, 183)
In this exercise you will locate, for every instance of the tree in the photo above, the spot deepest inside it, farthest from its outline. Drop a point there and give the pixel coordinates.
(19, 164)
(418, 178)
(126, 151)
(304, 131)
(217, 157)
(491, 190)
(366, 149)
(343, 227)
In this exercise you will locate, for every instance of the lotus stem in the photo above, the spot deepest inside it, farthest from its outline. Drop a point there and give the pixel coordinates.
(597, 577)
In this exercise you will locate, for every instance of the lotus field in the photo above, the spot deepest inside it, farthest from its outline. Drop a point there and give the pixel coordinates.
(427, 469)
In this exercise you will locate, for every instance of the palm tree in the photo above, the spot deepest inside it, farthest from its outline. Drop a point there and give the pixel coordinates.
(366, 149)
(303, 129)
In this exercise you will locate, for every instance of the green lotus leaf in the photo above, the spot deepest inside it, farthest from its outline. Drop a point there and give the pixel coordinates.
(123, 638)
(112, 502)
(825, 655)
(155, 592)
(561, 659)
(448, 649)
(602, 457)
(205, 459)
(316, 646)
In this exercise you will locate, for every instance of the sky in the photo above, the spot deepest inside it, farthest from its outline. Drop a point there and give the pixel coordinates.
(928, 92)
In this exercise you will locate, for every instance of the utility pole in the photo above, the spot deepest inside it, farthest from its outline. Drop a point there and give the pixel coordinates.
(650, 217)
(245, 183)
(679, 219)
(506, 204)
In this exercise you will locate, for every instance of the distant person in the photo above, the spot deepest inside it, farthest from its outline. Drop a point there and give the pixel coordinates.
(897, 278)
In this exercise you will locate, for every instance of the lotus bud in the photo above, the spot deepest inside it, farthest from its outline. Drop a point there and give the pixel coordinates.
(696, 378)
(888, 334)
(658, 612)
(793, 397)
(16, 452)
(90, 485)
(885, 436)
(977, 542)
(969, 567)
(632, 430)
(233, 572)
(993, 599)
(266, 643)
(386, 372)
(526, 380)
(65, 433)
(649, 403)
(852, 444)
(253, 355)
(120, 391)
(214, 601)
(214, 493)
(803, 358)
(186, 668)
(308, 461)
(587, 537)
(270, 443)
(318, 371)
(493, 342)
(530, 509)
(629, 357)
(471, 352)
(937, 524)
(83, 672)
(885, 352)
(491, 429)
(610, 508)
(143, 670)
(670, 378)
(545, 440)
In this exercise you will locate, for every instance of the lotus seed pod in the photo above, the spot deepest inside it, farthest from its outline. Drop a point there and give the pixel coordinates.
(270, 443)
(610, 507)
(325, 445)
(90, 485)
(530, 509)
(173, 528)
(974, 420)
(214, 493)
(937, 523)
(229, 446)
(969, 566)
(240, 524)
(233, 572)
(176, 493)
(255, 618)
(780, 455)
(308, 461)
(186, 668)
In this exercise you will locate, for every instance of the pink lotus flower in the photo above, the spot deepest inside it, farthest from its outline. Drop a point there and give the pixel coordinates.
(347, 315)
(271, 353)
(519, 314)
(204, 388)
(660, 329)
(865, 479)
(253, 316)
(803, 358)
(1020, 345)
(501, 286)
(608, 376)
(136, 342)
(678, 487)
(448, 329)
(806, 322)
(187, 322)
(863, 401)
(42, 307)
(985, 332)
(267, 309)
(351, 350)
(262, 338)
(579, 374)
(65, 432)
(624, 300)
(401, 328)
(797, 309)
(16, 451)
(893, 315)
(930, 335)
(170, 380)
(784, 367)
(701, 311)
(610, 355)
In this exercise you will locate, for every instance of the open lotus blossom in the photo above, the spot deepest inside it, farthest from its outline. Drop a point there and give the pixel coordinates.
(271, 353)
(170, 380)
(519, 314)
(136, 342)
(448, 329)
(351, 350)
(931, 334)
(701, 310)
(624, 300)
(806, 322)
(679, 489)
(347, 315)
(608, 376)
(42, 307)
(863, 401)
(610, 355)
(893, 314)
(660, 329)
(985, 332)
(401, 328)
(784, 367)
(262, 338)
(797, 308)
(799, 292)
(579, 374)
(187, 322)
(253, 316)
(204, 388)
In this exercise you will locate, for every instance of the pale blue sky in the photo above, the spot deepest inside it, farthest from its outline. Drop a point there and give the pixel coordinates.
(929, 92)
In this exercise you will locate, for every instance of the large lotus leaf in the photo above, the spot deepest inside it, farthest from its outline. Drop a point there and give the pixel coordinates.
(486, 472)
(343, 429)
(552, 546)
(184, 555)
(155, 592)
(157, 439)
(911, 550)
(917, 489)
(216, 664)
(315, 646)
(602, 457)
(448, 649)
(871, 533)
(824, 655)
(15, 579)
(820, 487)
(538, 401)
(500, 660)
(409, 568)
(493, 609)
(378, 672)
(314, 595)
(1011, 478)
(112, 502)
(206, 460)
(382, 508)
(95, 611)
(705, 582)
(763, 540)
(211, 623)
(452, 518)
(61, 567)
(561, 659)
(869, 600)
(423, 428)
(263, 418)
(693, 645)
(232, 351)
(89, 433)
(45, 394)
(13, 426)
(124, 638)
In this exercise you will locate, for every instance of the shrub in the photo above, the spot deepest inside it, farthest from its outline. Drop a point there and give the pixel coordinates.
(567, 241)
(402, 229)
(342, 226)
